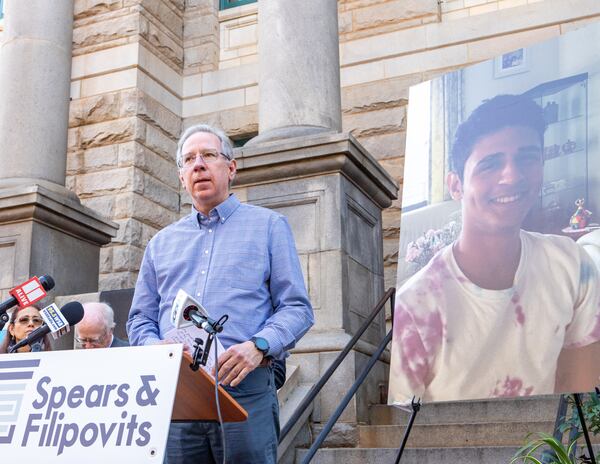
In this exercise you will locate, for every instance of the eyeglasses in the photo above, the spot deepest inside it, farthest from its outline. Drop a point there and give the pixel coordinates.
(90, 341)
(208, 156)
(25, 320)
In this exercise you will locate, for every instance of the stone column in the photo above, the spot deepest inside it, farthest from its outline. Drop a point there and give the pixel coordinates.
(332, 192)
(44, 229)
(35, 76)
(299, 69)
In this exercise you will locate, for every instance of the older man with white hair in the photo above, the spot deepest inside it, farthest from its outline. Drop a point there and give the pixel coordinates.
(96, 328)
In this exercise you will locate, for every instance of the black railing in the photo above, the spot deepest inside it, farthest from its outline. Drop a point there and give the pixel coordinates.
(315, 390)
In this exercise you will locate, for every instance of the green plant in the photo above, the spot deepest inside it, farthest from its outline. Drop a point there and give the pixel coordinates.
(560, 455)
(591, 412)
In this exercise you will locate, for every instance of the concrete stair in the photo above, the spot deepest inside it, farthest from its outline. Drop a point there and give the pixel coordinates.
(289, 396)
(473, 432)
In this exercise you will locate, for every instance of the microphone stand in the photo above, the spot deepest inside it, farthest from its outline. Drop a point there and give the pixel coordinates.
(200, 356)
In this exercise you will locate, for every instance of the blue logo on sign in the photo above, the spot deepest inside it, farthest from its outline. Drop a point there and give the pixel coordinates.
(13, 382)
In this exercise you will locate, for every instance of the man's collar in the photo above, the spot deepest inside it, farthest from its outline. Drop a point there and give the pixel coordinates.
(223, 210)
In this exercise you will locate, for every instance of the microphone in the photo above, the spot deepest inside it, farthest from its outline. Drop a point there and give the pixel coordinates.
(191, 313)
(186, 309)
(28, 293)
(72, 312)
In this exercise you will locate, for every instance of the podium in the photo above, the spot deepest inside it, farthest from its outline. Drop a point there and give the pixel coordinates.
(195, 397)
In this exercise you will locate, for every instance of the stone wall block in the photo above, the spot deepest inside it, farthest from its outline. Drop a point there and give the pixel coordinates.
(135, 154)
(344, 22)
(105, 182)
(70, 183)
(206, 5)
(378, 95)
(201, 58)
(126, 258)
(155, 190)
(127, 154)
(375, 122)
(151, 110)
(104, 205)
(130, 232)
(116, 280)
(158, 192)
(200, 26)
(108, 133)
(129, 102)
(94, 109)
(345, 5)
(147, 233)
(100, 158)
(106, 254)
(393, 12)
(235, 122)
(391, 223)
(179, 4)
(170, 52)
(385, 145)
(164, 13)
(86, 8)
(185, 201)
(124, 206)
(394, 166)
(390, 261)
(108, 30)
(132, 205)
(74, 162)
(73, 139)
(137, 184)
(160, 142)
(152, 213)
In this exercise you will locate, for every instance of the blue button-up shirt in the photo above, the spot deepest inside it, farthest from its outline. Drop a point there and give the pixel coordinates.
(241, 261)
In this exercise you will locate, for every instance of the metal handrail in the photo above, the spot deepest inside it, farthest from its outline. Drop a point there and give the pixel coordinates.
(315, 390)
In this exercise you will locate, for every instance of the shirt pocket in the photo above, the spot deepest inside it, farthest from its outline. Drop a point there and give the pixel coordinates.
(245, 270)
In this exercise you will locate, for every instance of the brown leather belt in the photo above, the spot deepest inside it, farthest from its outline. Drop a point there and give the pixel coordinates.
(266, 362)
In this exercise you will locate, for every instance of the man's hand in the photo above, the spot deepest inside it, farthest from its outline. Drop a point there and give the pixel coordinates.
(237, 362)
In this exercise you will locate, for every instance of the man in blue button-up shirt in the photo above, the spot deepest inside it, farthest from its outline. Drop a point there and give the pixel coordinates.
(236, 259)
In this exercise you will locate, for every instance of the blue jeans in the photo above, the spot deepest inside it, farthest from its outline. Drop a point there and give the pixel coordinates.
(253, 441)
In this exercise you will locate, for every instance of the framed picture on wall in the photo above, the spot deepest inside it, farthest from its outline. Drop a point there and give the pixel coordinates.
(510, 63)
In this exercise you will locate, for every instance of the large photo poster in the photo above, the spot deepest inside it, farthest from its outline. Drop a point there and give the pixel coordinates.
(498, 291)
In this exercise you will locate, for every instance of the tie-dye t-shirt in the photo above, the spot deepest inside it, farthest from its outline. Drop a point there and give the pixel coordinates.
(454, 340)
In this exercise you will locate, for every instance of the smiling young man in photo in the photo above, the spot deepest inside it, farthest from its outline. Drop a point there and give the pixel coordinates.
(501, 311)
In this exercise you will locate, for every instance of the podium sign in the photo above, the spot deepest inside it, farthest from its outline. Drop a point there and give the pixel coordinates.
(88, 405)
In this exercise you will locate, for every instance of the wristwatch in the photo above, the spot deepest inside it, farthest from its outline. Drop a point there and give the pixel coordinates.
(261, 344)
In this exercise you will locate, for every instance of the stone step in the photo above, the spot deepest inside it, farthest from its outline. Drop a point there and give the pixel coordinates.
(466, 455)
(295, 398)
(451, 435)
(488, 455)
(530, 409)
(299, 435)
(292, 377)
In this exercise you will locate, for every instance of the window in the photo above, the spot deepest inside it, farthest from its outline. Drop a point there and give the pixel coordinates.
(1, 9)
(224, 4)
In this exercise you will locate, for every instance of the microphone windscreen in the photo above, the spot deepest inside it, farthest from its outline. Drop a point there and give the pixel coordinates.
(73, 312)
(186, 312)
(47, 282)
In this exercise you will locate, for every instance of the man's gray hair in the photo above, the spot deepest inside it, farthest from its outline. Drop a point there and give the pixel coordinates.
(108, 315)
(226, 145)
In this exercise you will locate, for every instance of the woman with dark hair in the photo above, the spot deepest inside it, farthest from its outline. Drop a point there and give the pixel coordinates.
(22, 322)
